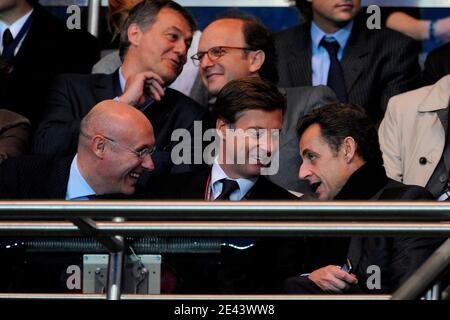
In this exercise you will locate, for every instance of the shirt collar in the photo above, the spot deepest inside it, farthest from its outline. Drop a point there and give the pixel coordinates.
(148, 100)
(16, 26)
(121, 80)
(341, 36)
(218, 174)
(77, 187)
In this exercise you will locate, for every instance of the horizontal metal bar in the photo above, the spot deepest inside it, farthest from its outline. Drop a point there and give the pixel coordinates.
(238, 211)
(241, 229)
(30, 296)
(265, 3)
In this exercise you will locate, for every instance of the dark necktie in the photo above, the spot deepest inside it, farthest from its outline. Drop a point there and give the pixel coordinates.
(7, 38)
(336, 79)
(228, 186)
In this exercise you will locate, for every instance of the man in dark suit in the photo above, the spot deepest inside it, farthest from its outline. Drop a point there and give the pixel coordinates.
(249, 115)
(34, 47)
(342, 161)
(334, 47)
(154, 42)
(238, 45)
(115, 146)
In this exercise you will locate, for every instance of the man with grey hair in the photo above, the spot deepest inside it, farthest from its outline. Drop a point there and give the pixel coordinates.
(154, 44)
(114, 149)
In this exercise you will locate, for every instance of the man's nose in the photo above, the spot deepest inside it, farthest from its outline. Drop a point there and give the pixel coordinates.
(205, 61)
(181, 49)
(304, 171)
(148, 163)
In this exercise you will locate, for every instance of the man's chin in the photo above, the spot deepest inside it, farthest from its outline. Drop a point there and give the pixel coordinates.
(169, 77)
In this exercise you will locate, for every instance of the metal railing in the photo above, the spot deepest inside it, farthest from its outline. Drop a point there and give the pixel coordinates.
(95, 5)
(264, 3)
(206, 219)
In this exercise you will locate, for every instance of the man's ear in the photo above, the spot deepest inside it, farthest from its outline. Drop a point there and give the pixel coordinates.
(257, 59)
(97, 145)
(221, 128)
(134, 34)
(349, 147)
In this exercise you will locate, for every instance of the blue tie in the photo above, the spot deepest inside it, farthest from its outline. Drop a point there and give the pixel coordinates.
(7, 39)
(228, 187)
(336, 80)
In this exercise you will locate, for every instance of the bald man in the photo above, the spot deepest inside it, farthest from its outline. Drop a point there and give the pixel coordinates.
(115, 146)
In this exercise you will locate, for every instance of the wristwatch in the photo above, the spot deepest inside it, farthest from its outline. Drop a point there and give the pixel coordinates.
(432, 31)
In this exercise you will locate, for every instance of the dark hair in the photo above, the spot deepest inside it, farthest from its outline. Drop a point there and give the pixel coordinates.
(305, 9)
(118, 12)
(145, 13)
(257, 37)
(247, 93)
(340, 120)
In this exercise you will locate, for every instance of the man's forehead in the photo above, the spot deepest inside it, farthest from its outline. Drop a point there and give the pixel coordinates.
(169, 18)
(312, 137)
(259, 118)
(223, 32)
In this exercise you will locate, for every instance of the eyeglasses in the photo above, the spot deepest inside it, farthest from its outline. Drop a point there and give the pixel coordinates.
(142, 153)
(215, 53)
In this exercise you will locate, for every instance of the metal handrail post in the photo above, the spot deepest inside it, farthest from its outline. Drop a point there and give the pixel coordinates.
(115, 269)
(426, 275)
(93, 17)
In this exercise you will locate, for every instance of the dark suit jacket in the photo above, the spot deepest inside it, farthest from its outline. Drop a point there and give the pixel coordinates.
(48, 49)
(34, 177)
(240, 271)
(437, 65)
(192, 185)
(377, 64)
(397, 257)
(72, 96)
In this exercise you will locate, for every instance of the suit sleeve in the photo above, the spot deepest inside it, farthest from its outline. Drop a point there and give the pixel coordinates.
(300, 285)
(58, 131)
(391, 142)
(320, 96)
(402, 69)
(14, 134)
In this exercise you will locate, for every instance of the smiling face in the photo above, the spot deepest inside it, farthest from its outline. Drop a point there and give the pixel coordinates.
(121, 166)
(251, 145)
(330, 15)
(162, 48)
(326, 170)
(234, 64)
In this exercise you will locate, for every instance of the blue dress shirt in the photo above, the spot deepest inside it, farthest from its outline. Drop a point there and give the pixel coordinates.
(77, 187)
(215, 186)
(320, 59)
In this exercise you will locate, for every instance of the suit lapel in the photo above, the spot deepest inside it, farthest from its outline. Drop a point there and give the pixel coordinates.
(191, 185)
(58, 179)
(106, 86)
(355, 251)
(299, 57)
(353, 59)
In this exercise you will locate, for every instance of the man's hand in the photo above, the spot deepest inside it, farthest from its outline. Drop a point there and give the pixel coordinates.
(332, 279)
(442, 31)
(140, 86)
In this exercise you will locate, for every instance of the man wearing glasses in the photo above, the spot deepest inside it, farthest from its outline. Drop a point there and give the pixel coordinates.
(114, 149)
(237, 45)
(154, 44)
